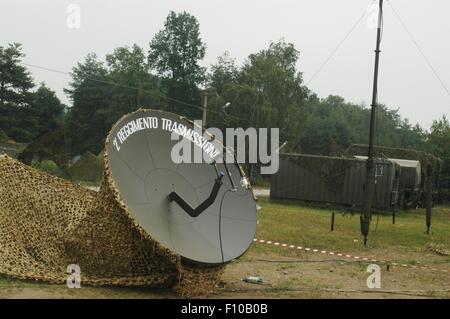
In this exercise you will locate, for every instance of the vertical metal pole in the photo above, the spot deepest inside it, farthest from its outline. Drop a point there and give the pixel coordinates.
(395, 197)
(332, 221)
(393, 213)
(370, 166)
(429, 196)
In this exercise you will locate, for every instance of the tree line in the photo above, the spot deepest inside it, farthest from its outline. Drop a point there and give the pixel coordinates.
(267, 90)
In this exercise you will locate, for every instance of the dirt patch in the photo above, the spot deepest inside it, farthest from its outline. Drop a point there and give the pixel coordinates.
(306, 276)
(325, 277)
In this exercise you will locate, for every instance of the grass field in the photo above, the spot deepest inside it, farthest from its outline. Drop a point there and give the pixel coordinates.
(292, 273)
(309, 226)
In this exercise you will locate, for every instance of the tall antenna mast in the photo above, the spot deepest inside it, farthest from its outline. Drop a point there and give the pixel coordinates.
(370, 166)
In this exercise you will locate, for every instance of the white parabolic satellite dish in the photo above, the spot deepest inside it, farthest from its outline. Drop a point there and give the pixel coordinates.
(205, 212)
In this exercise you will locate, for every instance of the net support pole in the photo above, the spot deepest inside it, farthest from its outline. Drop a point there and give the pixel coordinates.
(429, 195)
(370, 166)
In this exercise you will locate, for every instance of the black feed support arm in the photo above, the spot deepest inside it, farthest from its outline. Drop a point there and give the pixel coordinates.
(194, 212)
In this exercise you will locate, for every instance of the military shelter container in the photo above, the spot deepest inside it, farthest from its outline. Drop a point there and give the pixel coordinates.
(333, 180)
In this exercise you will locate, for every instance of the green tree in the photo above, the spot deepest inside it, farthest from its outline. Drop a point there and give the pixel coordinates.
(15, 80)
(334, 119)
(90, 92)
(47, 109)
(325, 126)
(91, 70)
(437, 143)
(15, 84)
(223, 72)
(269, 91)
(175, 53)
(134, 86)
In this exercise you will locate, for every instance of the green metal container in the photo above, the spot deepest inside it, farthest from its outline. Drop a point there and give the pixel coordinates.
(333, 180)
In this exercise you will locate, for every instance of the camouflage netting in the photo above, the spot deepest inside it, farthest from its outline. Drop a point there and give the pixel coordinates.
(51, 146)
(88, 168)
(47, 223)
(9, 146)
(424, 158)
(330, 170)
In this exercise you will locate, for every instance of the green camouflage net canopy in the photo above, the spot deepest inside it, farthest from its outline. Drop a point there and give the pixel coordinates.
(9, 146)
(48, 223)
(330, 170)
(88, 168)
(424, 158)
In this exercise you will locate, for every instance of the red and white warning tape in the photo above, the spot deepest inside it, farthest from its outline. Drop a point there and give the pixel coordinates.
(353, 257)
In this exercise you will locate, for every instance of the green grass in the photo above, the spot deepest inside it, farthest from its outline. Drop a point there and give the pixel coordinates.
(12, 282)
(310, 227)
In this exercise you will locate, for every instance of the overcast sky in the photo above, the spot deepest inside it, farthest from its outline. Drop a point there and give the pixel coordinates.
(316, 27)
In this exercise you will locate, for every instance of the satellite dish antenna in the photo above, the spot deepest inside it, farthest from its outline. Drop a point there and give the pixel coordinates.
(205, 212)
